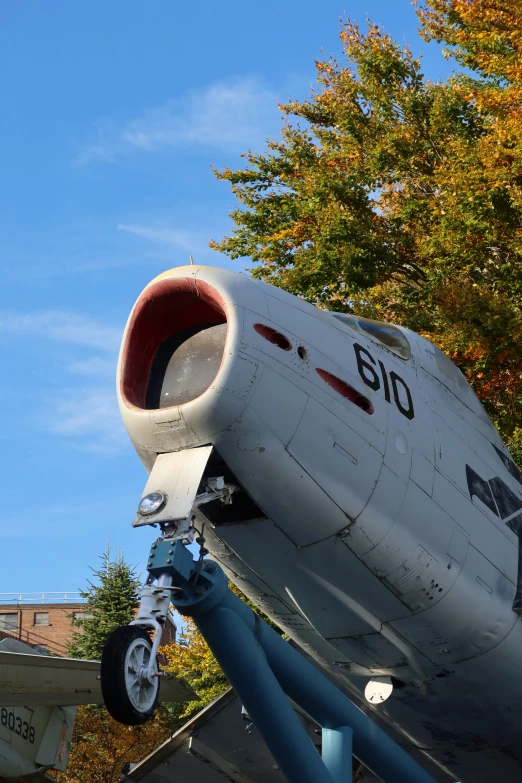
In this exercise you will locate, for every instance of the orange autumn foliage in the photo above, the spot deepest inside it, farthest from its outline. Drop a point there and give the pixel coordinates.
(101, 746)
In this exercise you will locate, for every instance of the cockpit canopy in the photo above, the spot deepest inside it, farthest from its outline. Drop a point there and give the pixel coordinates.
(381, 333)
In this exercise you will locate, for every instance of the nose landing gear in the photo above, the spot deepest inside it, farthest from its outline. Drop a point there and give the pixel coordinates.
(130, 675)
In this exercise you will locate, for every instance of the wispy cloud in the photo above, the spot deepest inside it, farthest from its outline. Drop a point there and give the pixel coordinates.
(62, 327)
(106, 132)
(86, 413)
(229, 116)
(163, 235)
(98, 151)
(91, 417)
(223, 115)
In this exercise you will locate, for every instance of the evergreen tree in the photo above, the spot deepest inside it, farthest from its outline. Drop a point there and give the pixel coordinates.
(111, 602)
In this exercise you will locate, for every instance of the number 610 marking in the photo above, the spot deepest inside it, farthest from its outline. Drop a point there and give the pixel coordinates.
(371, 379)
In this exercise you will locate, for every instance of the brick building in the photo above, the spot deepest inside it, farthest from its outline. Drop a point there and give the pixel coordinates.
(45, 620)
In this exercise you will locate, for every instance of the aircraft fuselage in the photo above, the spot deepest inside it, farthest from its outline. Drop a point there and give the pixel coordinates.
(378, 514)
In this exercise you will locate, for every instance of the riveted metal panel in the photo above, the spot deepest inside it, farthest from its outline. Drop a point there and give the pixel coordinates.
(474, 617)
(399, 444)
(342, 462)
(335, 354)
(379, 514)
(321, 333)
(458, 545)
(296, 502)
(487, 532)
(325, 583)
(242, 377)
(372, 651)
(171, 431)
(422, 471)
(279, 403)
(239, 289)
(420, 520)
(415, 580)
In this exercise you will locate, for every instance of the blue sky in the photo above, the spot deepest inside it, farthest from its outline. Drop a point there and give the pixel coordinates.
(111, 114)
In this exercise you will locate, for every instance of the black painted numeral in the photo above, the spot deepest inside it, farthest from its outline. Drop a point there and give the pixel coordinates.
(364, 368)
(371, 379)
(14, 723)
(396, 379)
(385, 383)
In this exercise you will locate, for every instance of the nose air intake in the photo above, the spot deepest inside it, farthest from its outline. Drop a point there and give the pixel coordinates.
(174, 344)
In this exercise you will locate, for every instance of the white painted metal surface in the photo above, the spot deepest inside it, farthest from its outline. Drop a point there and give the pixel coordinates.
(385, 543)
(178, 476)
(142, 690)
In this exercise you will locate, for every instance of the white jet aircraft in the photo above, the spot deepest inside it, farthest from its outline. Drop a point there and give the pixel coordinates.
(353, 487)
(36, 738)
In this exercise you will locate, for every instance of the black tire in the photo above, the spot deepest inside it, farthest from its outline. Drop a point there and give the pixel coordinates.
(113, 684)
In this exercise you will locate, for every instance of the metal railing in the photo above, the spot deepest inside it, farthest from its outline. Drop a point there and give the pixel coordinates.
(73, 597)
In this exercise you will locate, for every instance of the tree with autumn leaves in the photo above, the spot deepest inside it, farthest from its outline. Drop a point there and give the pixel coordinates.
(398, 198)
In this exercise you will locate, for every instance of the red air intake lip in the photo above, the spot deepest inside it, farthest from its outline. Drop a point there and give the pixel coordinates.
(164, 308)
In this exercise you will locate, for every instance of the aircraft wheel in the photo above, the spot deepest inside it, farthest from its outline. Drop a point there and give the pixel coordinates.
(129, 694)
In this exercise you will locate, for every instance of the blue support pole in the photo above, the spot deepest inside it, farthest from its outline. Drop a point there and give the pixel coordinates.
(242, 659)
(337, 753)
(262, 668)
(317, 696)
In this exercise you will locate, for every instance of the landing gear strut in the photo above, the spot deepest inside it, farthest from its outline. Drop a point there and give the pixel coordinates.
(130, 674)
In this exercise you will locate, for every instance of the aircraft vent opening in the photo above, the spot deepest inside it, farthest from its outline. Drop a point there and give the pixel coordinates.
(274, 337)
(175, 344)
(346, 391)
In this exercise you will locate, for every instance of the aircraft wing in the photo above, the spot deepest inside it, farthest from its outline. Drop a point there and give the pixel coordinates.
(37, 777)
(41, 680)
